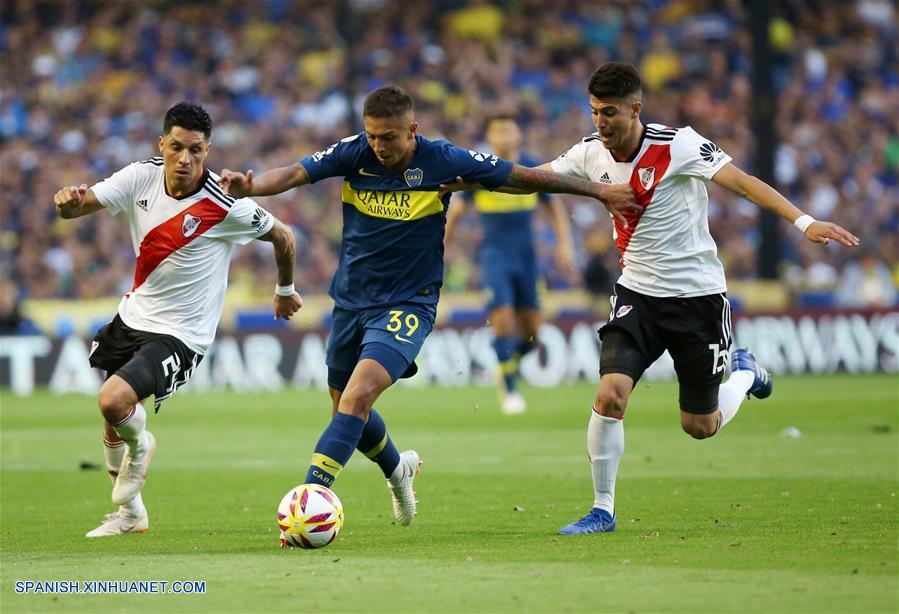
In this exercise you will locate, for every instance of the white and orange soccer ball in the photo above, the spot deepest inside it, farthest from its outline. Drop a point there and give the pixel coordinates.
(309, 516)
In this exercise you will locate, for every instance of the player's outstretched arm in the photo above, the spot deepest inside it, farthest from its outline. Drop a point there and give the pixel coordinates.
(75, 201)
(617, 198)
(460, 185)
(757, 191)
(287, 300)
(270, 182)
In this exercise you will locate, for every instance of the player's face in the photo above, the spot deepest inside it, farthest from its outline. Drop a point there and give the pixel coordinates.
(503, 135)
(615, 120)
(183, 153)
(391, 138)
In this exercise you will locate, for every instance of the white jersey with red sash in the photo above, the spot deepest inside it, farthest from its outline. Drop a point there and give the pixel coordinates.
(667, 249)
(183, 247)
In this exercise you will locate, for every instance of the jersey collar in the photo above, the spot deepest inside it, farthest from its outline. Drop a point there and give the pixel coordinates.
(637, 149)
(193, 192)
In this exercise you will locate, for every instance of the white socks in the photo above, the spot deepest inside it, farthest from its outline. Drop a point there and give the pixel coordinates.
(398, 474)
(132, 429)
(114, 454)
(605, 438)
(732, 393)
(605, 445)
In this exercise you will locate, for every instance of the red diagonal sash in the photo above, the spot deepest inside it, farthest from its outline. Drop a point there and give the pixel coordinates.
(173, 234)
(657, 158)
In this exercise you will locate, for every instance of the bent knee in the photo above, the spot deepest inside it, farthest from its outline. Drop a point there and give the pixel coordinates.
(611, 402)
(502, 320)
(700, 432)
(700, 426)
(356, 400)
(114, 404)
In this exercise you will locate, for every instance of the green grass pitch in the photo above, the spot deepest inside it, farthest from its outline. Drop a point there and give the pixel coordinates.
(750, 520)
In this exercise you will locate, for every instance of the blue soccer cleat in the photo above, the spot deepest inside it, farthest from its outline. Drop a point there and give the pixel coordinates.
(744, 360)
(597, 521)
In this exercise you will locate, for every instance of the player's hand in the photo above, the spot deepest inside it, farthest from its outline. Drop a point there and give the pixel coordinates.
(69, 197)
(823, 232)
(619, 198)
(286, 306)
(236, 184)
(459, 185)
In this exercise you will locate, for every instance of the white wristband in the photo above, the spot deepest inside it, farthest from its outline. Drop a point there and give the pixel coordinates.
(803, 222)
(285, 290)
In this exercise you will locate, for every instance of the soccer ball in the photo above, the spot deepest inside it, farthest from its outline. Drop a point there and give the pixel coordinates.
(309, 516)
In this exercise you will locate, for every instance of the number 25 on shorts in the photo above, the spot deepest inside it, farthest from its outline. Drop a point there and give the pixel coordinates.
(396, 322)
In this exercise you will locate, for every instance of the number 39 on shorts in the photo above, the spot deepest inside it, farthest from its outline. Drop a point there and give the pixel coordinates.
(400, 319)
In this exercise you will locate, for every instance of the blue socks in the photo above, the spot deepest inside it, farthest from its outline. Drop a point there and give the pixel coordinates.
(506, 353)
(525, 346)
(345, 434)
(377, 445)
(334, 449)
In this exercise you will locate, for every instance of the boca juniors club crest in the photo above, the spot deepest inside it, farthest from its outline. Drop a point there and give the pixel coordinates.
(190, 224)
(623, 311)
(647, 176)
(413, 177)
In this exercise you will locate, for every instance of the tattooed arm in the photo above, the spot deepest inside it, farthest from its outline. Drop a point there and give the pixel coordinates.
(616, 198)
(285, 256)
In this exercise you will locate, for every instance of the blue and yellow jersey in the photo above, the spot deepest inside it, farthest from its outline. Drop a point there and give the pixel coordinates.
(507, 218)
(392, 246)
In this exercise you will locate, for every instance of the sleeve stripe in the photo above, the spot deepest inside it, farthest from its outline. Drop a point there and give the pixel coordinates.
(214, 186)
(216, 192)
(216, 199)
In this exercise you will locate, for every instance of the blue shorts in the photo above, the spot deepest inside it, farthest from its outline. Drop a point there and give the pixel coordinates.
(392, 336)
(510, 279)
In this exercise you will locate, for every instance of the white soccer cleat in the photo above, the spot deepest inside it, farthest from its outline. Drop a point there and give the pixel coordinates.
(400, 486)
(119, 523)
(133, 472)
(513, 403)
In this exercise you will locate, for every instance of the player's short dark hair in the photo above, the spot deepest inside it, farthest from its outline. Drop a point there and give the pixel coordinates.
(499, 117)
(189, 116)
(615, 80)
(387, 101)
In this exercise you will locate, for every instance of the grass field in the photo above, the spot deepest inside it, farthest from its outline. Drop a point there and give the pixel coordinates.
(750, 520)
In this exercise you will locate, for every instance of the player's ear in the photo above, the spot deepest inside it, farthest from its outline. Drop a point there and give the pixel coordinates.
(413, 128)
(636, 107)
(161, 143)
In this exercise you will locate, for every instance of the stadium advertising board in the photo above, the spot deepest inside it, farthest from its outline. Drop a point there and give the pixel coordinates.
(797, 343)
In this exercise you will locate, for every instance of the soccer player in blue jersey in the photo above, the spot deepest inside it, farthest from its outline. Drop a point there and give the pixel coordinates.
(508, 259)
(390, 271)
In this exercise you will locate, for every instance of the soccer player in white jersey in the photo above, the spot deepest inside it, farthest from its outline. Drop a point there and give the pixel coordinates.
(671, 293)
(183, 228)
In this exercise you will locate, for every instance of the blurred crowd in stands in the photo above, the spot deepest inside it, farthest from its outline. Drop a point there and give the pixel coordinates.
(84, 85)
